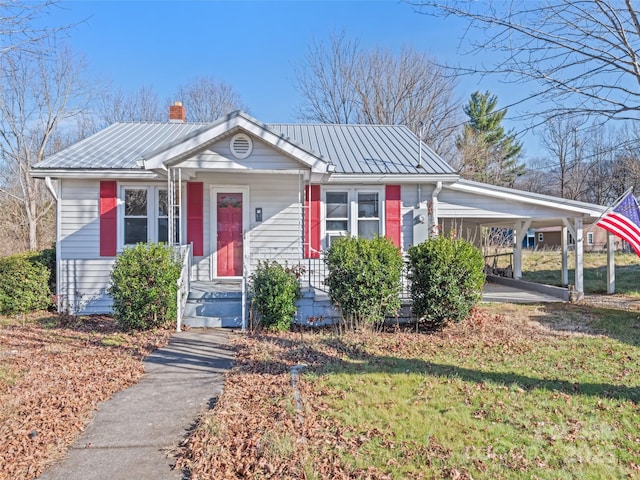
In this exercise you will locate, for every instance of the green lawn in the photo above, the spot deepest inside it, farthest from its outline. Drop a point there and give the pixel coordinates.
(517, 392)
(499, 399)
(544, 267)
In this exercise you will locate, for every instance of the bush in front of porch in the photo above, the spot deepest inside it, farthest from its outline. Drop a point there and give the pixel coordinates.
(364, 279)
(274, 289)
(447, 276)
(144, 286)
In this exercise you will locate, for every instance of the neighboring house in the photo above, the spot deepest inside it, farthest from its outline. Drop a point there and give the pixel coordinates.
(238, 190)
(595, 239)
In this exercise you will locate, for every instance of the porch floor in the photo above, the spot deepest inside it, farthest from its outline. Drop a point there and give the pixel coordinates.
(496, 293)
(491, 292)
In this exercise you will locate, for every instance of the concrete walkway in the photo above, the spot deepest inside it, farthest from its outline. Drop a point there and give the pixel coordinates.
(132, 433)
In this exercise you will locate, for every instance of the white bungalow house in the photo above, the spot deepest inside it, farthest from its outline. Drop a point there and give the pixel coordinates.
(237, 190)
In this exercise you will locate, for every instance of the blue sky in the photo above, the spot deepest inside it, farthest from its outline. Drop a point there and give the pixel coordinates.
(254, 46)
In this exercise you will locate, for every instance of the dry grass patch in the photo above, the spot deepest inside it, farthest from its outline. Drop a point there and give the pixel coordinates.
(544, 266)
(53, 373)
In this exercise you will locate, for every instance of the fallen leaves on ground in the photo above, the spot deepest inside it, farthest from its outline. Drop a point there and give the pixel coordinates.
(53, 373)
(256, 431)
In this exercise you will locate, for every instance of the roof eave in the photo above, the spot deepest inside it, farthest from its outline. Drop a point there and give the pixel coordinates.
(381, 178)
(87, 173)
(505, 193)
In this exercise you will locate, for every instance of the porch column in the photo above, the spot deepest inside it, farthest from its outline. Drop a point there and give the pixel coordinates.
(565, 255)
(611, 266)
(579, 260)
(435, 231)
(521, 228)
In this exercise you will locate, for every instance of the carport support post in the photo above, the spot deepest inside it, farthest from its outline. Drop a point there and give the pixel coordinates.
(579, 260)
(520, 232)
(611, 266)
(565, 255)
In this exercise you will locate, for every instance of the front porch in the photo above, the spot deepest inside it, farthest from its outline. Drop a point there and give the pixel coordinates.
(225, 302)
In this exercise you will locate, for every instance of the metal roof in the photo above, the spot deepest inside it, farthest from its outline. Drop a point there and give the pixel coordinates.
(353, 149)
(362, 149)
(119, 146)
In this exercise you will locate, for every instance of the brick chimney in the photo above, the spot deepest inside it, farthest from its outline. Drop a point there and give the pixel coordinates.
(177, 113)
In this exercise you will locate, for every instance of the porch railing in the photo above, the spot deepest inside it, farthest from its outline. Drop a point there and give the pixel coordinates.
(184, 254)
(312, 271)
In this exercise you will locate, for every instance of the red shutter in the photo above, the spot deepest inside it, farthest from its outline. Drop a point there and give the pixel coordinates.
(108, 218)
(392, 214)
(195, 217)
(312, 221)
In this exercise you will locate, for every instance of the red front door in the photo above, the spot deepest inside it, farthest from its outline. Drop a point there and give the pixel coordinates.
(229, 208)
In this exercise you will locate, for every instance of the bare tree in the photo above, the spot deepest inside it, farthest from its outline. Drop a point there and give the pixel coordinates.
(142, 105)
(582, 54)
(537, 177)
(39, 94)
(342, 83)
(206, 99)
(566, 142)
(19, 31)
(326, 81)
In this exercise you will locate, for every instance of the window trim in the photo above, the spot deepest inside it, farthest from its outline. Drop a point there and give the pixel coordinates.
(352, 199)
(153, 207)
(122, 220)
(590, 238)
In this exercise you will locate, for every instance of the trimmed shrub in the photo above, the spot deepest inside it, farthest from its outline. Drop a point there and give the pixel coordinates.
(274, 289)
(447, 276)
(47, 257)
(364, 278)
(144, 287)
(24, 284)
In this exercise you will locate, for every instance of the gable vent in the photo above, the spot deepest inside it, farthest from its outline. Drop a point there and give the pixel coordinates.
(241, 146)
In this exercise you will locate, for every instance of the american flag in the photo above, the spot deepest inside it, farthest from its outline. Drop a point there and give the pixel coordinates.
(624, 221)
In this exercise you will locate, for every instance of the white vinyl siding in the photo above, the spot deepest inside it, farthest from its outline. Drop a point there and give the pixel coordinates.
(262, 157)
(83, 276)
(278, 234)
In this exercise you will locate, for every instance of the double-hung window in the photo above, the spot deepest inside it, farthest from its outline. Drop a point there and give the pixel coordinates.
(368, 214)
(352, 212)
(146, 215)
(136, 215)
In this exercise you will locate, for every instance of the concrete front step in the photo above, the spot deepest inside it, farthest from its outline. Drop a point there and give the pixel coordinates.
(210, 313)
(214, 304)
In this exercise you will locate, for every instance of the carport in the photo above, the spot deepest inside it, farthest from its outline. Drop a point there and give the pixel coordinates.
(466, 206)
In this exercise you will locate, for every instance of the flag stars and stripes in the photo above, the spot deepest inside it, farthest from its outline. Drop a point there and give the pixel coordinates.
(624, 221)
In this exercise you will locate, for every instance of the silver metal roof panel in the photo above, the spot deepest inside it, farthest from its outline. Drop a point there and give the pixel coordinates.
(361, 149)
(353, 149)
(118, 146)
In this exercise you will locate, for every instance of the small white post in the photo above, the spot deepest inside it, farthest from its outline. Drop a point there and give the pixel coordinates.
(611, 265)
(521, 229)
(565, 255)
(579, 259)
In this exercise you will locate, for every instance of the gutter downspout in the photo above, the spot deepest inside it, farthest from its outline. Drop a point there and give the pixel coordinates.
(434, 209)
(47, 181)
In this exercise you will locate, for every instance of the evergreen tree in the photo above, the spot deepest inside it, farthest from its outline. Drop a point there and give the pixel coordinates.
(488, 153)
